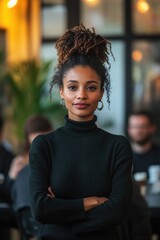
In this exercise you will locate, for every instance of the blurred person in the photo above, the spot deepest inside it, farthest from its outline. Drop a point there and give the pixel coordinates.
(34, 126)
(141, 128)
(80, 175)
(6, 214)
(6, 157)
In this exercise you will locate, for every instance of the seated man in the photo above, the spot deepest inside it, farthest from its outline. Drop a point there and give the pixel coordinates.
(141, 129)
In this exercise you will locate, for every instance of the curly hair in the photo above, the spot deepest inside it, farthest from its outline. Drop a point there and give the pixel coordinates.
(82, 46)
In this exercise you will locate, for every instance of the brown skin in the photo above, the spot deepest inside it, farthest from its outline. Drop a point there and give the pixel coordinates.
(140, 131)
(81, 92)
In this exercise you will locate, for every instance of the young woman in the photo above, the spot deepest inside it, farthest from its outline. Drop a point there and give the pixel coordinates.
(80, 175)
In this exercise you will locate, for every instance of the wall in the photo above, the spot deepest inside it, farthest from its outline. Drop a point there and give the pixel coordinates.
(22, 25)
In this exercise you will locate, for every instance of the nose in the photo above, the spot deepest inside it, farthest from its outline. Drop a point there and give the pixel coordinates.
(82, 94)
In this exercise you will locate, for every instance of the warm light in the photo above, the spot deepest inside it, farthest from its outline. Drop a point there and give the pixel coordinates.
(142, 6)
(91, 2)
(137, 55)
(11, 3)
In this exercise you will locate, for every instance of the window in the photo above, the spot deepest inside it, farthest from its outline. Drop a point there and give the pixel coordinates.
(133, 28)
(146, 16)
(107, 17)
(53, 18)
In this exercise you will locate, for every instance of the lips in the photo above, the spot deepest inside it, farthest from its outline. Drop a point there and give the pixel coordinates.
(81, 105)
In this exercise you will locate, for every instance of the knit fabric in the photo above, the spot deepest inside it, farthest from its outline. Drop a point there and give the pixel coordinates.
(80, 160)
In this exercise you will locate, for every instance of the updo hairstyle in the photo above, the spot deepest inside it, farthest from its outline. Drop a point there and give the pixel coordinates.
(82, 46)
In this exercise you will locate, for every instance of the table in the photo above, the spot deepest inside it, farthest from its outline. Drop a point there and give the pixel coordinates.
(152, 196)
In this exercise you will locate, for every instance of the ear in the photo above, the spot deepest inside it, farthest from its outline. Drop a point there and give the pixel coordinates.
(61, 91)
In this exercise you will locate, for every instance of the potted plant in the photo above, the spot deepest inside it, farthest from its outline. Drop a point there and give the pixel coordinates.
(27, 91)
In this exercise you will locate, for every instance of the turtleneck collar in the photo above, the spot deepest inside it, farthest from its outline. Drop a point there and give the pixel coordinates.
(87, 128)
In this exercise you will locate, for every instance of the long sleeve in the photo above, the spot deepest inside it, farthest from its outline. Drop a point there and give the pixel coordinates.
(113, 211)
(45, 209)
(79, 162)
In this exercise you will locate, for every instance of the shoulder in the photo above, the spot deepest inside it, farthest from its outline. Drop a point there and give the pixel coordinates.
(118, 144)
(156, 147)
(116, 139)
(44, 139)
(44, 142)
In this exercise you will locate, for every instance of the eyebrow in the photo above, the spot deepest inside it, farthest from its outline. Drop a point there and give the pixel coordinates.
(89, 81)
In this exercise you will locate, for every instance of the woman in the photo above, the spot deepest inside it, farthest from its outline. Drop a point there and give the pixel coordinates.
(80, 179)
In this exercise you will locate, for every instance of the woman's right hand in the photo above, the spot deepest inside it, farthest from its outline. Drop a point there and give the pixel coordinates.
(92, 202)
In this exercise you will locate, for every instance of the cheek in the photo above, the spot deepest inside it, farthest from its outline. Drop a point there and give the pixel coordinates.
(68, 97)
(132, 132)
(96, 98)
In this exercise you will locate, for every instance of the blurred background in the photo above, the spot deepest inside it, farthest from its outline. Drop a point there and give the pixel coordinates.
(28, 32)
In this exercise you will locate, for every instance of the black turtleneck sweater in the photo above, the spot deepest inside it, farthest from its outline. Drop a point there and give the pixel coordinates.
(80, 160)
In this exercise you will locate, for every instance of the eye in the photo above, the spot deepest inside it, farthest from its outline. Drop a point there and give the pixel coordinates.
(72, 88)
(92, 88)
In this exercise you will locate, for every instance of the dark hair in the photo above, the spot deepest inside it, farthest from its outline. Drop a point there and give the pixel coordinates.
(145, 113)
(36, 123)
(81, 46)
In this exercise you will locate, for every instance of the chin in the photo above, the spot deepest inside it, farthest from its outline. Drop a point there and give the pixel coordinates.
(142, 142)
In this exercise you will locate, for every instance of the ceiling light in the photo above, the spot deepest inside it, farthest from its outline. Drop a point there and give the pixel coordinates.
(11, 3)
(142, 6)
(91, 3)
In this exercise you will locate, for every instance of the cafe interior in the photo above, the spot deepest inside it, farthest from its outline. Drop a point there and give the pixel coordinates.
(29, 30)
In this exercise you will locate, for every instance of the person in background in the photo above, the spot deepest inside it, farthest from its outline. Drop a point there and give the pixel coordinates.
(80, 175)
(146, 152)
(6, 214)
(141, 128)
(6, 157)
(34, 126)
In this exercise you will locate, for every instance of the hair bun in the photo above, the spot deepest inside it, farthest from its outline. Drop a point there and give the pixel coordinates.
(81, 40)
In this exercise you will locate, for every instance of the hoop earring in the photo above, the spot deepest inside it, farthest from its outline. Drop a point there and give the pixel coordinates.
(100, 108)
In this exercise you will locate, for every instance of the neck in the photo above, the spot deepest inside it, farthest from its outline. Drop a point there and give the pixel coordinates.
(141, 148)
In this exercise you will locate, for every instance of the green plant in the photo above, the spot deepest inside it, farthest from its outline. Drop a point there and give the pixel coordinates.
(27, 91)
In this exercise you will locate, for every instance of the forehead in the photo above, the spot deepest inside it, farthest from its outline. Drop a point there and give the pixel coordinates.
(139, 119)
(81, 73)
